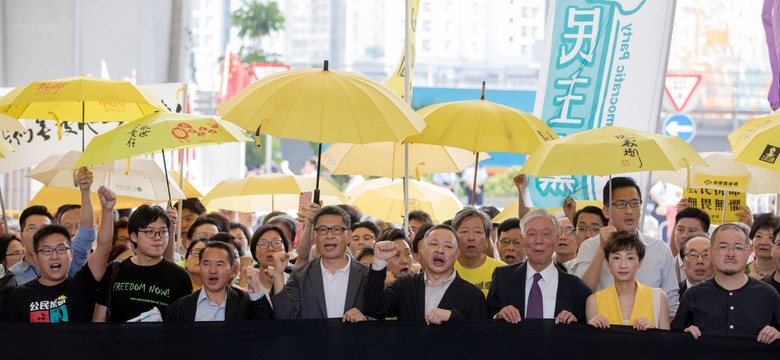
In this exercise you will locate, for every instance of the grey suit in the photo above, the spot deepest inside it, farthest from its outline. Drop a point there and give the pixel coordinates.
(304, 295)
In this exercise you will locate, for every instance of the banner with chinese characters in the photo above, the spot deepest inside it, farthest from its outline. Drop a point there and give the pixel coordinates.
(719, 182)
(604, 64)
(722, 206)
(40, 139)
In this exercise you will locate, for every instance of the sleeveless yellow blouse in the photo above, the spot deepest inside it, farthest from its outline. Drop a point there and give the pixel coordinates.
(609, 305)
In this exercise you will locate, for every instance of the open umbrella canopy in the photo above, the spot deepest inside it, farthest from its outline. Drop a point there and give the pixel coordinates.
(145, 179)
(384, 198)
(5, 148)
(54, 197)
(610, 150)
(510, 211)
(481, 125)
(386, 159)
(159, 131)
(759, 180)
(267, 192)
(190, 191)
(757, 142)
(324, 106)
(82, 99)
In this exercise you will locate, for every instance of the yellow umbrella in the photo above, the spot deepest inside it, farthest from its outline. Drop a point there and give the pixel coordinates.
(159, 131)
(54, 197)
(756, 142)
(386, 159)
(190, 191)
(267, 192)
(81, 99)
(322, 106)
(146, 180)
(5, 148)
(610, 150)
(481, 125)
(759, 180)
(384, 199)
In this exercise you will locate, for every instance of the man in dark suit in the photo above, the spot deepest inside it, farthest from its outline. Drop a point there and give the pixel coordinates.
(695, 256)
(537, 288)
(305, 296)
(217, 300)
(437, 295)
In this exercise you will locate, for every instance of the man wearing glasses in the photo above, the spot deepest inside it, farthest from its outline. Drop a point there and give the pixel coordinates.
(56, 297)
(330, 286)
(147, 280)
(35, 217)
(624, 212)
(695, 256)
(730, 302)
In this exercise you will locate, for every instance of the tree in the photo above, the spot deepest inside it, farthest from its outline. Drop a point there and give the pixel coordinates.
(255, 20)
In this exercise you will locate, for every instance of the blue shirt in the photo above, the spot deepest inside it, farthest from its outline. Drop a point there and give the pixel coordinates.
(209, 311)
(81, 244)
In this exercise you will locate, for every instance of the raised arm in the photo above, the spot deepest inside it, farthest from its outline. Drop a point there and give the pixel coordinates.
(593, 272)
(305, 241)
(174, 234)
(521, 182)
(85, 234)
(380, 302)
(99, 258)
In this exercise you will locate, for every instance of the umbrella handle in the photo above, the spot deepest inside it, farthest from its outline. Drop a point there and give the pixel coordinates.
(316, 196)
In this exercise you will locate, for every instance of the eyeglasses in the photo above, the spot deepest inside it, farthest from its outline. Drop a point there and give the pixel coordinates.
(153, 233)
(17, 253)
(622, 204)
(336, 230)
(693, 255)
(592, 228)
(506, 242)
(568, 231)
(275, 244)
(48, 251)
(738, 248)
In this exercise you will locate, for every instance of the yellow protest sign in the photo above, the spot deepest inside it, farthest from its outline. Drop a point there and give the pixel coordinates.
(720, 182)
(722, 206)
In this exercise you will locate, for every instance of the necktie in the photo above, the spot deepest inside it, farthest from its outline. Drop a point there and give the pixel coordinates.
(535, 309)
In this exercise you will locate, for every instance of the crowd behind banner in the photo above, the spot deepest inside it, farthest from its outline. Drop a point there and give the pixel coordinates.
(589, 267)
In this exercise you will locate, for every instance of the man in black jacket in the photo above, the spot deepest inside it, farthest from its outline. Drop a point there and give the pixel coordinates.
(537, 288)
(217, 300)
(437, 295)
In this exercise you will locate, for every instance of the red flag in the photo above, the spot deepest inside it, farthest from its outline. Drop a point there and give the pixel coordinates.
(235, 77)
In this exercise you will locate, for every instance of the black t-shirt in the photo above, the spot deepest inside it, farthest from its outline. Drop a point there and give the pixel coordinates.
(138, 289)
(72, 300)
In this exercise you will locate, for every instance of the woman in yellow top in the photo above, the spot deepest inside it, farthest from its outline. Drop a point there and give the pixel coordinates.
(626, 301)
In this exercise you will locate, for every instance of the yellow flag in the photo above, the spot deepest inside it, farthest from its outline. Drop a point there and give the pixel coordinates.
(396, 80)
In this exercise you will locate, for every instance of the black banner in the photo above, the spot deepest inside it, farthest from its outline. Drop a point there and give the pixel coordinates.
(332, 339)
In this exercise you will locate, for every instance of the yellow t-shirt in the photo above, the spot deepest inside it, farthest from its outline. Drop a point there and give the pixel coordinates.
(481, 276)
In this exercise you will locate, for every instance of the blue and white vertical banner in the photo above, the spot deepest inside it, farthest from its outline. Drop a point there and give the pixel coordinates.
(605, 65)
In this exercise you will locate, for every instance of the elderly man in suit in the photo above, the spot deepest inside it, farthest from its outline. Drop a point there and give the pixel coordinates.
(537, 288)
(330, 286)
(217, 300)
(436, 295)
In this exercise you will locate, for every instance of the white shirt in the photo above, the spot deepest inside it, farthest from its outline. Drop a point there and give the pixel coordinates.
(209, 311)
(657, 268)
(434, 294)
(335, 289)
(549, 286)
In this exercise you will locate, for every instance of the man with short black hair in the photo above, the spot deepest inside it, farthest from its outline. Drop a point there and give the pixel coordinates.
(35, 217)
(417, 219)
(510, 242)
(306, 295)
(730, 302)
(687, 221)
(147, 280)
(364, 235)
(216, 300)
(444, 296)
(56, 296)
(624, 212)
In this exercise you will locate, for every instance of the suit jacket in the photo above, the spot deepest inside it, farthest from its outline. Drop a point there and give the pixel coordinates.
(304, 295)
(405, 298)
(238, 307)
(508, 288)
(683, 287)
